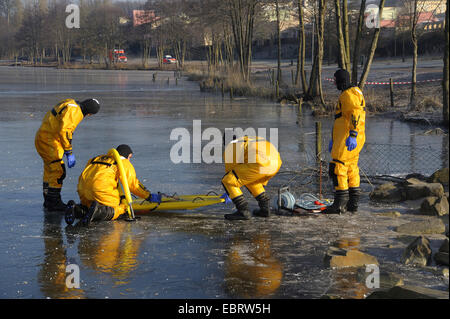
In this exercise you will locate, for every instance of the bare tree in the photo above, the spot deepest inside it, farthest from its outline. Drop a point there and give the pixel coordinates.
(242, 16)
(415, 9)
(31, 33)
(104, 30)
(356, 48)
(277, 10)
(301, 49)
(445, 88)
(341, 29)
(373, 47)
(315, 81)
(11, 15)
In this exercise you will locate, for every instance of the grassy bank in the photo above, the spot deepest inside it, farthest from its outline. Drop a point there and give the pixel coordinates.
(227, 82)
(378, 100)
(93, 66)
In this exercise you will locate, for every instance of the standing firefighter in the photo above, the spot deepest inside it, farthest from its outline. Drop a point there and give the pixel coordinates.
(250, 162)
(54, 140)
(98, 189)
(348, 137)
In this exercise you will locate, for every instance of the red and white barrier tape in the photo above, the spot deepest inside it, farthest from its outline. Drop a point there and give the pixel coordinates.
(395, 83)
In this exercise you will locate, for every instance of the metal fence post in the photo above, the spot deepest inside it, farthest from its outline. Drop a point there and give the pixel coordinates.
(319, 154)
(391, 89)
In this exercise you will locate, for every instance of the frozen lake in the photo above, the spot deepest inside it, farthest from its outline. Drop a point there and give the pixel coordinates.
(193, 254)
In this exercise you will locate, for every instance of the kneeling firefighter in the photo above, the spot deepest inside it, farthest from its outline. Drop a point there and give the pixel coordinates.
(98, 189)
(54, 140)
(348, 138)
(250, 161)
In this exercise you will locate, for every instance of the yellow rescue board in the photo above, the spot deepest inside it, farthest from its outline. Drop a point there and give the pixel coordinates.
(182, 202)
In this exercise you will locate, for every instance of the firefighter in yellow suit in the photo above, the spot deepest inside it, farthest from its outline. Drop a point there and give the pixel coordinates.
(54, 140)
(98, 189)
(348, 138)
(250, 161)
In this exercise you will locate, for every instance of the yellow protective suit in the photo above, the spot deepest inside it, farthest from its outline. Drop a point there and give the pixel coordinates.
(99, 182)
(251, 162)
(251, 271)
(115, 252)
(54, 137)
(350, 116)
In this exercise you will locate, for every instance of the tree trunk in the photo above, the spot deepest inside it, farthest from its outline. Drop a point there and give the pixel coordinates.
(412, 98)
(373, 47)
(242, 17)
(301, 50)
(342, 62)
(346, 34)
(356, 48)
(277, 9)
(320, 37)
(445, 88)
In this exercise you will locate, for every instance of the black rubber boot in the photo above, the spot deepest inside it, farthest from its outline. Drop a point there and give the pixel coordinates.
(339, 205)
(354, 194)
(242, 209)
(74, 211)
(264, 205)
(98, 212)
(53, 200)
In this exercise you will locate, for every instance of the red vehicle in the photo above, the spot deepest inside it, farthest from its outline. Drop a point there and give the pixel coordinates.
(168, 59)
(117, 55)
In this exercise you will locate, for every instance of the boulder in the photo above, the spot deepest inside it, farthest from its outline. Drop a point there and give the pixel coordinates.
(435, 206)
(387, 192)
(387, 279)
(415, 189)
(441, 258)
(431, 226)
(409, 292)
(418, 252)
(342, 258)
(440, 176)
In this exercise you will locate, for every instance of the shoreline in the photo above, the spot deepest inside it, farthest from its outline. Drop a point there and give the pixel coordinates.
(428, 114)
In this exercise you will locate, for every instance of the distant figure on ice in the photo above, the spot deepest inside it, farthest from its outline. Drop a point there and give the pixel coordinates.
(54, 140)
(250, 161)
(98, 189)
(348, 137)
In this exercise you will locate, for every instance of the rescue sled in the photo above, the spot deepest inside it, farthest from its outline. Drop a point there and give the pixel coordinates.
(175, 202)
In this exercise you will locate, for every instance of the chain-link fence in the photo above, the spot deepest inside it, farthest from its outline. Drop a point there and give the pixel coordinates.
(388, 159)
(377, 161)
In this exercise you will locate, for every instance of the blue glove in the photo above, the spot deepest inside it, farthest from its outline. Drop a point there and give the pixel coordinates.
(70, 159)
(154, 198)
(227, 198)
(330, 146)
(350, 142)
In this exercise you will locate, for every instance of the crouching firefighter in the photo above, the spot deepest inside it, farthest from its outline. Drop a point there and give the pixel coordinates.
(348, 138)
(54, 140)
(98, 189)
(250, 161)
